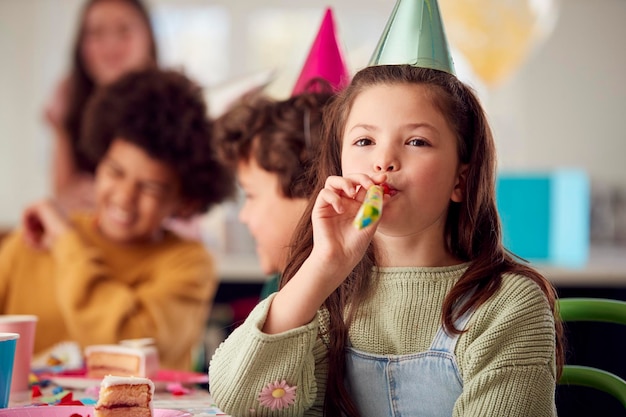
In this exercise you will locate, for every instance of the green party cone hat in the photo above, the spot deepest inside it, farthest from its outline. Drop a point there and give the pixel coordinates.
(414, 35)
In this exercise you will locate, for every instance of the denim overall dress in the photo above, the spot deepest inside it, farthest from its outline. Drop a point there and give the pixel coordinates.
(425, 384)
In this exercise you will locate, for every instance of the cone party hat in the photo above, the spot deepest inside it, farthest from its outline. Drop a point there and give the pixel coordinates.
(414, 35)
(325, 59)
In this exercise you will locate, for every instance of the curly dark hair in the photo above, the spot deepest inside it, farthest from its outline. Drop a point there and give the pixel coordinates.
(163, 113)
(282, 136)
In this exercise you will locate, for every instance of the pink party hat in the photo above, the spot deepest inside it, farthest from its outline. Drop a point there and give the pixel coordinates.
(325, 59)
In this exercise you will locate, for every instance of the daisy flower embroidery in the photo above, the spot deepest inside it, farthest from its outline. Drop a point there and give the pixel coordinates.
(277, 395)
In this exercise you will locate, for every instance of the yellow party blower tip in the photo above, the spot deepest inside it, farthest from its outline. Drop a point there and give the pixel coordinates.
(371, 209)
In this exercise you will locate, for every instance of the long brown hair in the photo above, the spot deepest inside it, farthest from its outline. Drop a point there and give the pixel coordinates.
(81, 85)
(472, 229)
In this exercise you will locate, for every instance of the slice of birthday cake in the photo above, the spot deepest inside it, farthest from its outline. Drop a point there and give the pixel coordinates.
(137, 357)
(124, 397)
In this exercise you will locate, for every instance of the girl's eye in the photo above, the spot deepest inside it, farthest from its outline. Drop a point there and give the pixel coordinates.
(363, 142)
(417, 142)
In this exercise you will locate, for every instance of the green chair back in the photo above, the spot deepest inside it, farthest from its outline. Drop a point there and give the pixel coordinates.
(599, 310)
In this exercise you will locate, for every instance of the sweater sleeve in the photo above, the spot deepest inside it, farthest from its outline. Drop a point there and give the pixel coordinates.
(509, 360)
(169, 302)
(248, 360)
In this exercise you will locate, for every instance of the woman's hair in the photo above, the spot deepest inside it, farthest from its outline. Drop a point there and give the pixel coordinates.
(472, 229)
(81, 85)
(281, 136)
(164, 114)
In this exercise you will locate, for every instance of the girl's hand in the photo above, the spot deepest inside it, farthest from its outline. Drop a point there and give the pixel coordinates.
(43, 223)
(337, 247)
(336, 242)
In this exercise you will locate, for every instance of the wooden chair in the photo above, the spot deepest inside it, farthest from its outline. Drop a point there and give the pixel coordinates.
(599, 310)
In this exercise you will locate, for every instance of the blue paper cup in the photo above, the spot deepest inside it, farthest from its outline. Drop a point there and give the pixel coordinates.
(7, 356)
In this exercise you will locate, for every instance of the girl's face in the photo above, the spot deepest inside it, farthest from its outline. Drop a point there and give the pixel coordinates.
(115, 41)
(134, 194)
(397, 129)
(269, 215)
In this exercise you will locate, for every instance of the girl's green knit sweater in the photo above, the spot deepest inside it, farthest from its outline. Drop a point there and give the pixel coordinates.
(506, 357)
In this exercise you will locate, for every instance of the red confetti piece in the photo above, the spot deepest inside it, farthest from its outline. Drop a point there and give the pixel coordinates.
(67, 397)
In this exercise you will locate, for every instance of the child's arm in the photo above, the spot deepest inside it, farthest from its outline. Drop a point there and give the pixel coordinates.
(279, 339)
(338, 246)
(250, 360)
(166, 299)
(509, 353)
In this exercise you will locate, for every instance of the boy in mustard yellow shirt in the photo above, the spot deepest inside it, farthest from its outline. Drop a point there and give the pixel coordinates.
(115, 273)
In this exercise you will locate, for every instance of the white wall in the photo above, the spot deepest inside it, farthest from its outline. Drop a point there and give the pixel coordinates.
(33, 52)
(565, 107)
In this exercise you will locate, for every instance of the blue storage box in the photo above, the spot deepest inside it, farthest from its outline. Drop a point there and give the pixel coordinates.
(545, 216)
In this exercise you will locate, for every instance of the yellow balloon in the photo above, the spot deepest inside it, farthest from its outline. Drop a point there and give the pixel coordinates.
(496, 36)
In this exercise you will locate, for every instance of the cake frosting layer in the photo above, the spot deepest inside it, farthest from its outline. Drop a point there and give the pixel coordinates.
(125, 396)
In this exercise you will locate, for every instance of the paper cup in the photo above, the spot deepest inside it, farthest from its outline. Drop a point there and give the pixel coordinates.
(24, 325)
(8, 342)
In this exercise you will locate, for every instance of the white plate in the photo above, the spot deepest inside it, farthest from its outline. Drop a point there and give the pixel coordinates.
(68, 410)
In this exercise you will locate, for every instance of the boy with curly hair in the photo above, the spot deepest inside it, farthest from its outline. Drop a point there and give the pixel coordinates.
(116, 273)
(270, 145)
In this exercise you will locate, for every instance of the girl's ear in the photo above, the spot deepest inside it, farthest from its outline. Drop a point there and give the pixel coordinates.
(458, 193)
